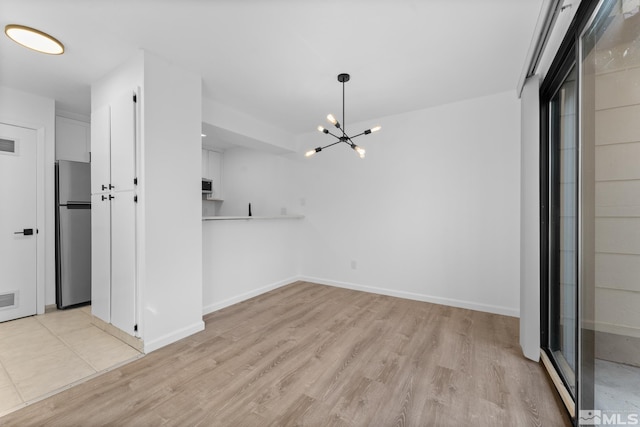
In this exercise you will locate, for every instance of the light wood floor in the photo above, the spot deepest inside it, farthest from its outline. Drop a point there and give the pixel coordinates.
(314, 355)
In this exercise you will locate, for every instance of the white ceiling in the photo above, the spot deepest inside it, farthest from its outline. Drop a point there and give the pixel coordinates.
(277, 60)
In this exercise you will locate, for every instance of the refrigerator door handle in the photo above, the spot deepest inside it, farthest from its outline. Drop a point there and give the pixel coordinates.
(78, 205)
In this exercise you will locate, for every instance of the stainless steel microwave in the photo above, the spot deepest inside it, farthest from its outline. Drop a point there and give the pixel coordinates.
(207, 186)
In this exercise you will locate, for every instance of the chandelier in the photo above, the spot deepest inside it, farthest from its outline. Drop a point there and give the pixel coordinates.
(342, 78)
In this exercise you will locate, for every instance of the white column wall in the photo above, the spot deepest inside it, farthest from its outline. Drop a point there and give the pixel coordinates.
(530, 220)
(171, 269)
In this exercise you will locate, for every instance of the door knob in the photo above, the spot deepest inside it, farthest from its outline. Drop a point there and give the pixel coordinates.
(26, 232)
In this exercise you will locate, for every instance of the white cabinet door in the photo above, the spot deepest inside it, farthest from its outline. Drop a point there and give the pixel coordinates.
(123, 138)
(113, 136)
(72, 140)
(215, 175)
(123, 261)
(100, 150)
(101, 257)
(205, 164)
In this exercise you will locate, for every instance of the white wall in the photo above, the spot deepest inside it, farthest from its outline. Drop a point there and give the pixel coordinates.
(432, 213)
(244, 258)
(254, 132)
(125, 77)
(250, 176)
(36, 112)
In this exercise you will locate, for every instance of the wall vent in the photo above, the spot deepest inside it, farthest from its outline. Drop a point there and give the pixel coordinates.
(7, 146)
(7, 300)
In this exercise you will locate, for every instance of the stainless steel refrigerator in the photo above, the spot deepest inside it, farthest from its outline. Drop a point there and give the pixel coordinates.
(73, 233)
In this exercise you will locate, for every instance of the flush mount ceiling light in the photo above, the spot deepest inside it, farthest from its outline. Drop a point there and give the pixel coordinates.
(342, 78)
(34, 39)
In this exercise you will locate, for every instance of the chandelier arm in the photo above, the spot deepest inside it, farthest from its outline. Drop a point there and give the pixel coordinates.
(355, 136)
(327, 146)
(350, 141)
(335, 136)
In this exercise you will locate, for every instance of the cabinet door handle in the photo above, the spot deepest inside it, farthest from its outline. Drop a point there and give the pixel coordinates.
(104, 197)
(111, 197)
(111, 186)
(104, 187)
(25, 231)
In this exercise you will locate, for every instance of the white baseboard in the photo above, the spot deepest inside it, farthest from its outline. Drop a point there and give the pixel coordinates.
(172, 337)
(417, 297)
(210, 308)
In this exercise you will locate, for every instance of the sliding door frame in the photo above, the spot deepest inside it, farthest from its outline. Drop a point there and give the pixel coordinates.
(550, 175)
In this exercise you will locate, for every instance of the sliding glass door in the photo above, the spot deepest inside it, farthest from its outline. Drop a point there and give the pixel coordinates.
(609, 58)
(590, 200)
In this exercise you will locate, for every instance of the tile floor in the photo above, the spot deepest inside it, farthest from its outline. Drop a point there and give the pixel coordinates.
(41, 355)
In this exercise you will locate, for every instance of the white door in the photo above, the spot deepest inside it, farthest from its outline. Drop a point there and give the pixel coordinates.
(100, 150)
(123, 142)
(123, 261)
(101, 256)
(18, 231)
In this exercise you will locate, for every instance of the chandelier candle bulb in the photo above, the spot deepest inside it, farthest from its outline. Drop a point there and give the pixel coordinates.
(361, 151)
(312, 152)
(374, 129)
(333, 121)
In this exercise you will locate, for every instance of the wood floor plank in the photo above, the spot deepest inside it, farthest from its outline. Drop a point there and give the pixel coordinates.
(313, 355)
